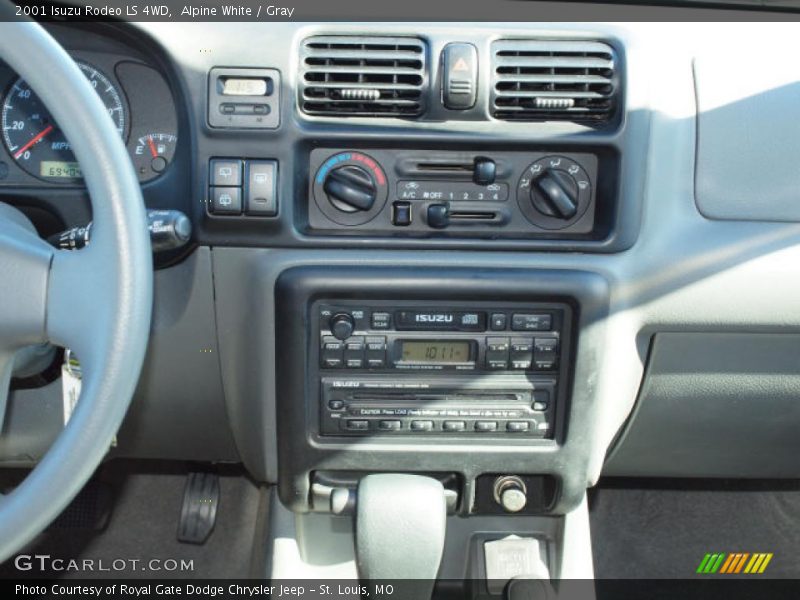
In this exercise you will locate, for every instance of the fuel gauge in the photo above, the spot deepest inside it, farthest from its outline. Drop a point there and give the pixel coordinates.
(152, 154)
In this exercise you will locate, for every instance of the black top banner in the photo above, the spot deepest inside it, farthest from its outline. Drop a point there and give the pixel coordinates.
(406, 11)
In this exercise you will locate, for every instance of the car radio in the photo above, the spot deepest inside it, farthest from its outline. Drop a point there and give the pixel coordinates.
(434, 369)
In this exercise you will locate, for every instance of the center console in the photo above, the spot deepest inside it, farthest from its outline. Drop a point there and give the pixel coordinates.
(468, 376)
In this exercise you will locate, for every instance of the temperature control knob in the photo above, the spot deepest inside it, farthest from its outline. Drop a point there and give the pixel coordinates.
(342, 326)
(350, 188)
(555, 194)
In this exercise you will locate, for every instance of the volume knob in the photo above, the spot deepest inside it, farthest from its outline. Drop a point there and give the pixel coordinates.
(342, 326)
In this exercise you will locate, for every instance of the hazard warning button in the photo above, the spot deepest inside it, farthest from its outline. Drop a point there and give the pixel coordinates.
(459, 76)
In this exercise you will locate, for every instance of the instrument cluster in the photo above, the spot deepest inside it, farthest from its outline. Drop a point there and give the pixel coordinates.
(34, 150)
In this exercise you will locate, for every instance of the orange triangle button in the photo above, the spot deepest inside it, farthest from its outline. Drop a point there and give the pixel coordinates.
(461, 65)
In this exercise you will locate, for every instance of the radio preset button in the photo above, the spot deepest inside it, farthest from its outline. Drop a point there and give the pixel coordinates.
(454, 426)
(332, 352)
(531, 322)
(498, 322)
(381, 320)
(521, 353)
(376, 351)
(422, 425)
(356, 424)
(516, 426)
(389, 425)
(354, 353)
(497, 353)
(485, 425)
(545, 352)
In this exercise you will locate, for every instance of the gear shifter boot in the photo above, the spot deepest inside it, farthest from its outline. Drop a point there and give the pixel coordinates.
(400, 527)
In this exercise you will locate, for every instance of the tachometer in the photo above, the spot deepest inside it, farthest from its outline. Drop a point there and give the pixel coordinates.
(34, 139)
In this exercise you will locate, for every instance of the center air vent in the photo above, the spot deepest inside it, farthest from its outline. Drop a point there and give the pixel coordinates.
(537, 80)
(363, 76)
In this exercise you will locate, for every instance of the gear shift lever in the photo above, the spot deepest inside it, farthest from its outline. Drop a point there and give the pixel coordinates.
(400, 526)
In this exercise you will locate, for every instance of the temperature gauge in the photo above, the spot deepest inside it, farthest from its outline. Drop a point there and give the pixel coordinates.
(153, 153)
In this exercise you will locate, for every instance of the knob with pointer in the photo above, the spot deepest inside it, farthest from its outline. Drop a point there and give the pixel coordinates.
(555, 194)
(350, 188)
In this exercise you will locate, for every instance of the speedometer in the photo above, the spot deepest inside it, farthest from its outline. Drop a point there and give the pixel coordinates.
(34, 139)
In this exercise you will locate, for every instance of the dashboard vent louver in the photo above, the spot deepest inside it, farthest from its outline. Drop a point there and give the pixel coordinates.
(362, 76)
(539, 80)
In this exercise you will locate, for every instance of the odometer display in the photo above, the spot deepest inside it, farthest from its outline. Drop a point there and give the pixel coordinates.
(35, 140)
(435, 352)
(57, 168)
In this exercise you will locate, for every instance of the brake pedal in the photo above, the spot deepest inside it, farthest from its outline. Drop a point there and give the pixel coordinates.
(199, 509)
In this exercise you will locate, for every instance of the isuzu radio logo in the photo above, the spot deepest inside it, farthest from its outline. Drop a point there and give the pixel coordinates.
(434, 318)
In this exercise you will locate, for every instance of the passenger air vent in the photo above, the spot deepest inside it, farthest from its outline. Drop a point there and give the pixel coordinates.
(537, 80)
(363, 76)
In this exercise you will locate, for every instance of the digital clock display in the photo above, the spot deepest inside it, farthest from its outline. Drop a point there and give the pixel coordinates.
(57, 168)
(435, 352)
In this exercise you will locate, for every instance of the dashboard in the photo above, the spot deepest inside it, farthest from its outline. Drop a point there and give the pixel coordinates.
(543, 217)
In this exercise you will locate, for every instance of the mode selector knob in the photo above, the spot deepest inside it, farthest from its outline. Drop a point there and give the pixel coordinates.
(350, 188)
(555, 194)
(342, 326)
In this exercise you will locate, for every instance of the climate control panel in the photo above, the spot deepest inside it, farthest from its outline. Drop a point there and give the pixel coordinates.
(549, 194)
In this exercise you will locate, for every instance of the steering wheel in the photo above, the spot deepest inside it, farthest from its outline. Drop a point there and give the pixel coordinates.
(96, 301)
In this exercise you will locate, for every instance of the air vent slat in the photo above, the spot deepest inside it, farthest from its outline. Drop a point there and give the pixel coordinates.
(543, 80)
(362, 76)
(355, 102)
(333, 85)
(388, 70)
(554, 62)
(537, 94)
(580, 79)
(334, 53)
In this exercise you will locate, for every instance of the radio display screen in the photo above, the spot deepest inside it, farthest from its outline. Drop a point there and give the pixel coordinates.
(435, 351)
